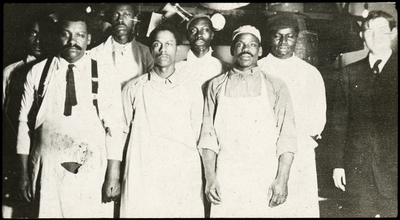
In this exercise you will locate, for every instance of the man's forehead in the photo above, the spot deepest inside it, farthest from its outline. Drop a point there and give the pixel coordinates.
(122, 7)
(378, 23)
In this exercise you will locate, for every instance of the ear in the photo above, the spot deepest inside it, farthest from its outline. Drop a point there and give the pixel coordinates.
(89, 39)
(177, 49)
(393, 33)
(212, 35)
(260, 51)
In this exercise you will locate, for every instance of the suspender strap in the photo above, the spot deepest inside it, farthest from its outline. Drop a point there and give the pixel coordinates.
(42, 79)
(95, 85)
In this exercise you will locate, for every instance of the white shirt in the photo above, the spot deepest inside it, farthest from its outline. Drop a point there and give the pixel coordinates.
(108, 96)
(372, 59)
(8, 71)
(121, 55)
(307, 90)
(201, 69)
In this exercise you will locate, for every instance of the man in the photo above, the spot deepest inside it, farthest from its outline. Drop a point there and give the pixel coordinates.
(163, 168)
(248, 137)
(73, 159)
(366, 146)
(130, 57)
(200, 65)
(35, 40)
(307, 90)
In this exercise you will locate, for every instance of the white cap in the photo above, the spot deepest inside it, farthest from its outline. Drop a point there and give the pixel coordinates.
(247, 29)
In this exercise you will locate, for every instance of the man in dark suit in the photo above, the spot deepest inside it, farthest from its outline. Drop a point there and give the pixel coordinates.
(366, 124)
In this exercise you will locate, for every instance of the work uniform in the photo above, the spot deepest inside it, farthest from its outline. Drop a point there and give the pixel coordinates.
(307, 90)
(163, 167)
(79, 139)
(248, 130)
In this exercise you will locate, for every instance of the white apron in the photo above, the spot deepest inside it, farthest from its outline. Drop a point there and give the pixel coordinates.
(247, 162)
(302, 201)
(78, 138)
(163, 167)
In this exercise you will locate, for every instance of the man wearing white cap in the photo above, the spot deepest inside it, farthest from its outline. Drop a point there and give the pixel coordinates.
(248, 138)
(307, 90)
(200, 66)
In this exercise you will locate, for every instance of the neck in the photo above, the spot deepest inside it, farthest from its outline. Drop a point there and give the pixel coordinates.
(381, 53)
(199, 53)
(164, 72)
(122, 39)
(243, 69)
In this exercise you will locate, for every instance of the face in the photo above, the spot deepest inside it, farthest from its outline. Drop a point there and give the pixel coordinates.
(378, 35)
(200, 34)
(283, 43)
(122, 20)
(164, 49)
(74, 38)
(246, 50)
(33, 43)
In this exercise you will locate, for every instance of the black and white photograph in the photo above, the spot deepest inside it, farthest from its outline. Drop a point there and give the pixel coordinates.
(200, 110)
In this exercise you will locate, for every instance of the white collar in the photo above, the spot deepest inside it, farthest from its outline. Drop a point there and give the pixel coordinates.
(385, 57)
(191, 55)
(30, 58)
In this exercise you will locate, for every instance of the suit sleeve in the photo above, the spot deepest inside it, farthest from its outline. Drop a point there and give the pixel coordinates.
(337, 141)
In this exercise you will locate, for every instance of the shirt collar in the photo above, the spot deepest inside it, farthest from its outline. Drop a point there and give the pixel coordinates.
(30, 58)
(234, 71)
(191, 55)
(385, 57)
(80, 64)
(277, 59)
(172, 79)
(117, 47)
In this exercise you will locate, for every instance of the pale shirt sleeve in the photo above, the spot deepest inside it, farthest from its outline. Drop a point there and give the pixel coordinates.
(128, 100)
(7, 76)
(283, 110)
(110, 108)
(30, 87)
(196, 111)
(208, 137)
(318, 99)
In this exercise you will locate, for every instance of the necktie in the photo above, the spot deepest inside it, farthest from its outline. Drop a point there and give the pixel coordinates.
(375, 68)
(70, 96)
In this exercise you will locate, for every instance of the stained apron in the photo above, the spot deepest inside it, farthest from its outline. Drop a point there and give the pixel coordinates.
(163, 167)
(247, 162)
(78, 138)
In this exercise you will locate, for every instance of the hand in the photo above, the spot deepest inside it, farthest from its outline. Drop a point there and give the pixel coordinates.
(24, 189)
(339, 178)
(111, 190)
(213, 192)
(278, 192)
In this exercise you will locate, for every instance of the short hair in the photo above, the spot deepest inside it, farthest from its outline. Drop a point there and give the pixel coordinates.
(74, 16)
(377, 14)
(280, 21)
(164, 27)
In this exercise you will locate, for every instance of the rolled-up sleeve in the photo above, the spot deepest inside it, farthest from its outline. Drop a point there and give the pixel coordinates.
(208, 137)
(280, 98)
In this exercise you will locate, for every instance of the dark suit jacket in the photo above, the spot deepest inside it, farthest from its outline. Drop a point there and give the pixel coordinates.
(366, 126)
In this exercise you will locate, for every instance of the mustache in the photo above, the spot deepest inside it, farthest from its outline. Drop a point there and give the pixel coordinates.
(68, 46)
(243, 53)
